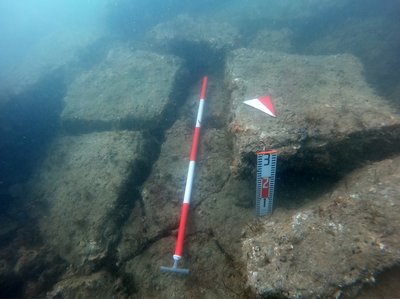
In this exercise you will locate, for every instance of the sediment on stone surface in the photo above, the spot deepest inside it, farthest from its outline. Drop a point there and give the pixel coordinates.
(219, 210)
(161, 196)
(255, 14)
(211, 273)
(96, 285)
(328, 123)
(343, 239)
(185, 29)
(84, 190)
(28, 268)
(157, 214)
(128, 90)
(161, 193)
(378, 58)
(272, 40)
(202, 42)
(328, 117)
(385, 285)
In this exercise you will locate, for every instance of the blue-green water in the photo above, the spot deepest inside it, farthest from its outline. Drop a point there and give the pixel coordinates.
(46, 45)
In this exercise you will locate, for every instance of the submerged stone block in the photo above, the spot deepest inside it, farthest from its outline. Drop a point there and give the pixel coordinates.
(97, 285)
(84, 190)
(128, 90)
(327, 115)
(200, 31)
(273, 40)
(340, 241)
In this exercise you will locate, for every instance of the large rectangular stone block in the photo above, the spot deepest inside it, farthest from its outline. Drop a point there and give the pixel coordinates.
(128, 90)
(327, 115)
(84, 190)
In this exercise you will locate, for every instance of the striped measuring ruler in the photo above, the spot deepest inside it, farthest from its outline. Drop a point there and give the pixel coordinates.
(266, 169)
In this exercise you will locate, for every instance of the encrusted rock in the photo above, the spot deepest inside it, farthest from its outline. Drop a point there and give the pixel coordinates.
(84, 190)
(327, 115)
(185, 30)
(343, 239)
(162, 193)
(278, 12)
(273, 40)
(128, 90)
(97, 285)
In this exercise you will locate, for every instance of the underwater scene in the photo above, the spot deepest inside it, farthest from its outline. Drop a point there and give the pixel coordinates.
(199, 149)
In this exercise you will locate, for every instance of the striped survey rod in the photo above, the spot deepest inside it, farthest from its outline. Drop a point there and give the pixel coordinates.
(188, 189)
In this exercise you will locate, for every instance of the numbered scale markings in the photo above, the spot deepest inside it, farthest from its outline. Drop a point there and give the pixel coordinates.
(266, 169)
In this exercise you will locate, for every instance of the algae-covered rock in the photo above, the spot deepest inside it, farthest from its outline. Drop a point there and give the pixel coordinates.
(96, 285)
(129, 89)
(327, 115)
(200, 31)
(278, 12)
(341, 240)
(212, 242)
(84, 190)
(273, 40)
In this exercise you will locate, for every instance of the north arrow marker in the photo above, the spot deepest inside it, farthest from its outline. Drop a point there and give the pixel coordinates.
(264, 104)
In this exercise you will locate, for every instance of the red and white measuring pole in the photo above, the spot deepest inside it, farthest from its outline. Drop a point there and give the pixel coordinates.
(188, 189)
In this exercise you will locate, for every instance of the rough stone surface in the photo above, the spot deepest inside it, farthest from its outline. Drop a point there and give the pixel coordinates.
(185, 30)
(97, 285)
(158, 212)
(327, 114)
(273, 40)
(341, 240)
(27, 270)
(128, 90)
(278, 12)
(218, 212)
(374, 40)
(84, 189)
(90, 214)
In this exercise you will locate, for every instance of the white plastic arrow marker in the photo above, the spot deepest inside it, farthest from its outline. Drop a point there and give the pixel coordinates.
(264, 104)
